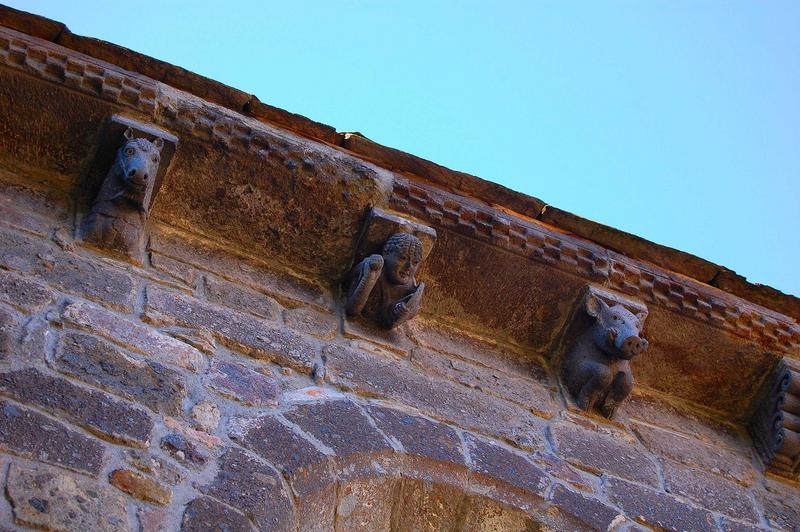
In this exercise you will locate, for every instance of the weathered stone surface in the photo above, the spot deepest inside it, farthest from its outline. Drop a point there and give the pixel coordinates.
(654, 508)
(140, 486)
(45, 497)
(242, 384)
(426, 506)
(9, 325)
(375, 375)
(255, 337)
(761, 294)
(496, 462)
(23, 293)
(204, 513)
(693, 453)
(600, 453)
(190, 447)
(535, 395)
(340, 425)
(206, 416)
(591, 511)
(153, 519)
(482, 514)
(158, 468)
(728, 525)
(134, 336)
(101, 364)
(419, 436)
(242, 299)
(308, 320)
(66, 271)
(31, 207)
(373, 337)
(247, 484)
(781, 505)
(96, 411)
(561, 469)
(35, 25)
(178, 270)
(21, 432)
(709, 491)
(366, 505)
(300, 124)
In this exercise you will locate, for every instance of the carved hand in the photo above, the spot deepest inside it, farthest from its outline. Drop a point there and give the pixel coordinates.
(408, 307)
(362, 280)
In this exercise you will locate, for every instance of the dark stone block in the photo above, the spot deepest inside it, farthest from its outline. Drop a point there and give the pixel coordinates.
(204, 513)
(594, 513)
(242, 384)
(23, 293)
(489, 458)
(419, 436)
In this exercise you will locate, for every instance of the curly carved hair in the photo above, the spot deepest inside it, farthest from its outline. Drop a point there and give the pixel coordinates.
(400, 242)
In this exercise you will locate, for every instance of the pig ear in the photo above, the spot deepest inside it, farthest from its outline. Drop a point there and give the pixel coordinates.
(594, 306)
(640, 320)
(128, 134)
(158, 143)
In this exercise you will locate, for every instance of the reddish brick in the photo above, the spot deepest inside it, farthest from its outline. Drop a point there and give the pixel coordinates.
(694, 453)
(375, 375)
(710, 491)
(96, 411)
(133, 335)
(249, 485)
(46, 497)
(238, 331)
(366, 505)
(23, 293)
(423, 506)
(204, 513)
(601, 453)
(241, 299)
(66, 271)
(177, 270)
(654, 508)
(242, 384)
(99, 363)
(591, 511)
(9, 329)
(21, 433)
(309, 320)
(140, 486)
(535, 395)
(496, 462)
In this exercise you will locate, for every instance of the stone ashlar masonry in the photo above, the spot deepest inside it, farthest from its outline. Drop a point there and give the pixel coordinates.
(218, 384)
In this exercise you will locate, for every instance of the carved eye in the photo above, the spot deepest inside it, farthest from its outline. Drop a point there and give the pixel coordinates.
(155, 158)
(129, 151)
(616, 317)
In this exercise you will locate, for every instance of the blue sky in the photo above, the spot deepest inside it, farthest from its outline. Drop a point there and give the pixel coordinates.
(678, 121)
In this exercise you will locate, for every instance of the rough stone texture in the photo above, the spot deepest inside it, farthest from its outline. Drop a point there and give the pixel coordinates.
(375, 375)
(66, 271)
(496, 462)
(241, 383)
(594, 513)
(99, 363)
(483, 514)
(709, 490)
(308, 320)
(426, 506)
(45, 497)
(96, 411)
(152, 519)
(238, 331)
(237, 298)
(598, 453)
(252, 487)
(135, 336)
(157, 467)
(190, 447)
(366, 505)
(204, 514)
(9, 324)
(140, 486)
(696, 454)
(658, 509)
(178, 270)
(781, 506)
(206, 416)
(559, 468)
(21, 430)
(24, 293)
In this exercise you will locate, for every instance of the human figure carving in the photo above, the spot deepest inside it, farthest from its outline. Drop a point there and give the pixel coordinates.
(118, 215)
(596, 370)
(385, 284)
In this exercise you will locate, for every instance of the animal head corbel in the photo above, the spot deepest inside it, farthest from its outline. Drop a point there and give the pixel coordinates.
(617, 330)
(137, 162)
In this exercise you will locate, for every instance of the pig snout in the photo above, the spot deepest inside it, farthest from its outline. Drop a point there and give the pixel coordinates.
(633, 346)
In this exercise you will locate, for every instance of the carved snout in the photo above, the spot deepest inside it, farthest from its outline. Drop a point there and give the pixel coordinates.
(633, 346)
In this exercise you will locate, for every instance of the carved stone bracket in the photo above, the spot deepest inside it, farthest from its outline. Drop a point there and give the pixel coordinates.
(135, 158)
(599, 341)
(775, 425)
(383, 284)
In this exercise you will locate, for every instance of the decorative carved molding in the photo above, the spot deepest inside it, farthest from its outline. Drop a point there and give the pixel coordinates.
(76, 71)
(119, 213)
(383, 285)
(596, 264)
(595, 367)
(775, 425)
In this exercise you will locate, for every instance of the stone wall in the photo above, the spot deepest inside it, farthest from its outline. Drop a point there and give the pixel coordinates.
(207, 387)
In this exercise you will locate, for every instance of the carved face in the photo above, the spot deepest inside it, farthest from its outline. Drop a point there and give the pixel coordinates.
(138, 161)
(402, 255)
(617, 330)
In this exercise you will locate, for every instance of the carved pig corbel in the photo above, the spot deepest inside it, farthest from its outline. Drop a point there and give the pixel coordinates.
(119, 213)
(383, 286)
(595, 368)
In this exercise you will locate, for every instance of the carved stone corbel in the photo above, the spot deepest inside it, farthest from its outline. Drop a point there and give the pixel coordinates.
(118, 217)
(775, 425)
(383, 284)
(603, 336)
